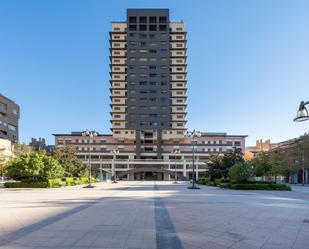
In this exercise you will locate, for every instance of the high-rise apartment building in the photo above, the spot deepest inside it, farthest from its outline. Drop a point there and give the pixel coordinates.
(9, 116)
(148, 106)
(148, 79)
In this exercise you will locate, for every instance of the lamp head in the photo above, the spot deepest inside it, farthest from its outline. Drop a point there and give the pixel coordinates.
(302, 113)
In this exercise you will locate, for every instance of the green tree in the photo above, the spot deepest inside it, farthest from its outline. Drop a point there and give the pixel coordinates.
(279, 166)
(240, 172)
(231, 158)
(215, 167)
(3, 163)
(261, 164)
(34, 166)
(71, 164)
(301, 154)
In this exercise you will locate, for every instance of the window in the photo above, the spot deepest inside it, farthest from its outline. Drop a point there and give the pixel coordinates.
(163, 83)
(153, 91)
(152, 83)
(162, 19)
(163, 59)
(152, 19)
(152, 67)
(3, 106)
(143, 67)
(152, 99)
(179, 45)
(163, 100)
(143, 27)
(142, 59)
(116, 29)
(153, 115)
(163, 43)
(142, 19)
(152, 59)
(132, 34)
(152, 51)
(142, 44)
(143, 50)
(143, 83)
(162, 27)
(12, 127)
(152, 36)
(14, 111)
(142, 36)
(179, 69)
(132, 43)
(237, 143)
(132, 19)
(132, 27)
(179, 29)
(152, 75)
(152, 27)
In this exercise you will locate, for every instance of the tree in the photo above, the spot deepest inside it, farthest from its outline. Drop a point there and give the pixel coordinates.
(279, 166)
(261, 164)
(240, 172)
(34, 166)
(3, 163)
(215, 167)
(71, 164)
(301, 152)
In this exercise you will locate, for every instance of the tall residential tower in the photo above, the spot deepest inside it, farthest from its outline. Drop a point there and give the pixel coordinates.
(148, 79)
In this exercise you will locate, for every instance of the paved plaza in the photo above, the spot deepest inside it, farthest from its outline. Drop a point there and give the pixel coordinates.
(153, 215)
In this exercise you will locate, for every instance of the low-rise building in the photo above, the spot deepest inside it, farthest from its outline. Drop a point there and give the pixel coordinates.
(128, 166)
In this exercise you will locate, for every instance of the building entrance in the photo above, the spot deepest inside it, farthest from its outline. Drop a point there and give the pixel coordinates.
(148, 176)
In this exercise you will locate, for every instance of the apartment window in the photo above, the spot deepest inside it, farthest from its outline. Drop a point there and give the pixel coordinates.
(132, 91)
(162, 27)
(179, 124)
(152, 19)
(179, 69)
(163, 59)
(163, 100)
(153, 59)
(179, 77)
(179, 116)
(163, 83)
(179, 36)
(164, 67)
(117, 116)
(132, 27)
(179, 52)
(179, 93)
(152, 36)
(162, 19)
(143, 75)
(143, 92)
(142, 36)
(153, 91)
(164, 92)
(142, 99)
(163, 43)
(152, 51)
(3, 106)
(132, 19)
(152, 27)
(152, 99)
(12, 127)
(152, 67)
(142, 59)
(143, 27)
(152, 83)
(142, 44)
(153, 115)
(143, 50)
(143, 83)
(179, 100)
(179, 45)
(152, 75)
(132, 34)
(237, 143)
(143, 19)
(179, 61)
(116, 29)
(229, 143)
(179, 84)
(14, 111)
(179, 29)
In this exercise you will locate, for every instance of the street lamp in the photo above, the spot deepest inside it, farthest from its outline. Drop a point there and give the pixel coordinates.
(175, 172)
(89, 134)
(193, 134)
(302, 113)
(113, 165)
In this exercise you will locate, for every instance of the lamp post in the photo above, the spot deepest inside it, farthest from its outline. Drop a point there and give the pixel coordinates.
(113, 166)
(193, 134)
(89, 134)
(175, 172)
(302, 113)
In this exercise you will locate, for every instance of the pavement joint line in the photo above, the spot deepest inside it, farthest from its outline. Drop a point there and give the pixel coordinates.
(11, 237)
(166, 235)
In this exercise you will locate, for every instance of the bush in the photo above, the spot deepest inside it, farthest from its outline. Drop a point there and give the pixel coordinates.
(26, 185)
(240, 173)
(83, 180)
(254, 186)
(70, 181)
(218, 182)
(204, 181)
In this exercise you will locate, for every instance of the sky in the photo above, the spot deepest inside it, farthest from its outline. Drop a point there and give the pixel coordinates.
(248, 64)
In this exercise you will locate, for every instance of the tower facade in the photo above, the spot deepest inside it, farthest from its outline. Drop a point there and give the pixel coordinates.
(148, 80)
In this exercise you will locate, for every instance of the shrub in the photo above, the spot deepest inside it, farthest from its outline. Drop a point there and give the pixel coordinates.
(26, 185)
(54, 183)
(240, 172)
(70, 181)
(83, 180)
(253, 186)
(218, 182)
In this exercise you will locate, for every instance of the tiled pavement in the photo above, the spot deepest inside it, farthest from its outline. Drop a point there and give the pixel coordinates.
(148, 215)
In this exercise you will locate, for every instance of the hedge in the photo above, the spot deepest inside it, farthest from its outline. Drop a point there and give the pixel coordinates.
(258, 186)
(51, 183)
(26, 185)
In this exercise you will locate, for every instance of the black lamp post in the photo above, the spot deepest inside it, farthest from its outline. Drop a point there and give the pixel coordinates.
(89, 134)
(193, 134)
